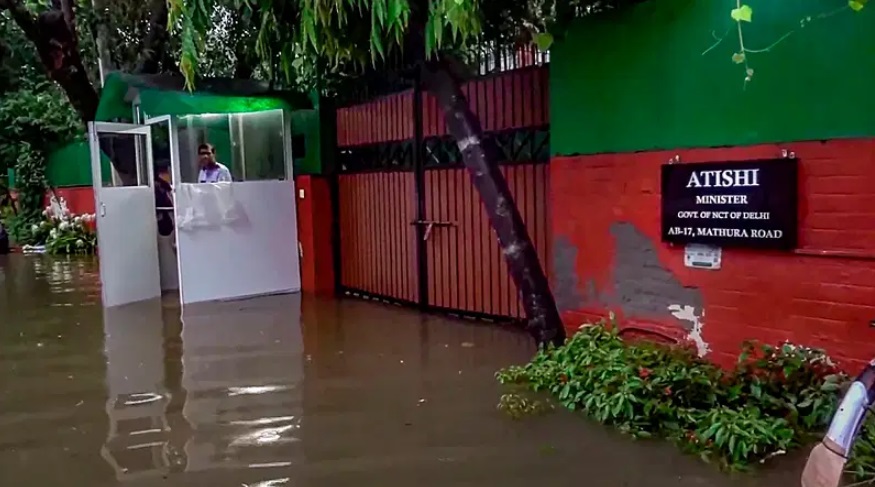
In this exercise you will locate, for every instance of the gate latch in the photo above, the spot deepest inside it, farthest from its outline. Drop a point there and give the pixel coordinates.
(430, 225)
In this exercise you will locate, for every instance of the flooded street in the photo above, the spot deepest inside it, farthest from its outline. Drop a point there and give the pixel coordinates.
(283, 391)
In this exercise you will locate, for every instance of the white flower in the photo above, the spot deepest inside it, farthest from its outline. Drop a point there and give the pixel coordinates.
(58, 207)
(80, 243)
(53, 234)
(34, 228)
(64, 226)
(46, 224)
(77, 220)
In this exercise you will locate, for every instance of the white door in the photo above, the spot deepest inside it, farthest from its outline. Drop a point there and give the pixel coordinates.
(125, 203)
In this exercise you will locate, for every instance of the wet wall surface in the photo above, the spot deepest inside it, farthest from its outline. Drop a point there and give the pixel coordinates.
(285, 390)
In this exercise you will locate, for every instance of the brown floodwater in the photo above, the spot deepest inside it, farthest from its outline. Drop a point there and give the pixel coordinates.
(283, 391)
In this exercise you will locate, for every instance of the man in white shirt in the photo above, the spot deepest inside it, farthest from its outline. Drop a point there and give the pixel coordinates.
(211, 170)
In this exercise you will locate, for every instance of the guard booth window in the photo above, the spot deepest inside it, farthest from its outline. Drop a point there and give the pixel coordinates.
(249, 144)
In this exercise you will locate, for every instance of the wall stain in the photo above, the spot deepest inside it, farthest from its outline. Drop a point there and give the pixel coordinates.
(642, 285)
(565, 279)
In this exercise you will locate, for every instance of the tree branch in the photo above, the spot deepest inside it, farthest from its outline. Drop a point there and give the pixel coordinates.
(22, 16)
(153, 45)
(66, 7)
(101, 39)
(58, 49)
(245, 61)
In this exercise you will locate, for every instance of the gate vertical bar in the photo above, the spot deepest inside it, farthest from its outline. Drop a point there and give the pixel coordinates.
(419, 178)
(329, 151)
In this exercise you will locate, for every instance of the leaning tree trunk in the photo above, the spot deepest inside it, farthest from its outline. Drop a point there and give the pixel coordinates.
(479, 157)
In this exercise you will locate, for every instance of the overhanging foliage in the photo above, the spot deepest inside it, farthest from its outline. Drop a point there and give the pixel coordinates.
(336, 37)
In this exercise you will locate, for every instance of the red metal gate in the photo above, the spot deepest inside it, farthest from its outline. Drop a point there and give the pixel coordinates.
(466, 272)
(412, 227)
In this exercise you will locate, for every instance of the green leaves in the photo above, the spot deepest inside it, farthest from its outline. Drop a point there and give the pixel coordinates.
(543, 40)
(742, 14)
(459, 17)
(332, 34)
(862, 460)
(35, 118)
(773, 401)
(857, 5)
(740, 436)
(518, 406)
(378, 21)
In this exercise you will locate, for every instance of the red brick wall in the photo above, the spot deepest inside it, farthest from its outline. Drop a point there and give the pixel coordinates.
(608, 254)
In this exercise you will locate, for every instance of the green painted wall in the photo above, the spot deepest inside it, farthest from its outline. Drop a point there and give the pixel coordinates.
(638, 79)
(305, 131)
(69, 165)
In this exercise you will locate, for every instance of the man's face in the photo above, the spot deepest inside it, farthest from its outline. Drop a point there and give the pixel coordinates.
(206, 156)
(164, 175)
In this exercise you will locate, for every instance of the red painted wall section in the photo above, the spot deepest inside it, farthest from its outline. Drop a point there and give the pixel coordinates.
(314, 233)
(608, 254)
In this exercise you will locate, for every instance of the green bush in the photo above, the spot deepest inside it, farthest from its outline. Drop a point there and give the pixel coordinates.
(775, 399)
(34, 118)
(862, 462)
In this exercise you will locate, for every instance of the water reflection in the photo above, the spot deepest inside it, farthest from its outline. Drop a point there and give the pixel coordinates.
(282, 391)
(52, 371)
(242, 371)
(138, 442)
(53, 281)
(242, 366)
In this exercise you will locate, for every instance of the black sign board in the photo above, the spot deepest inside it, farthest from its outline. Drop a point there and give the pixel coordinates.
(731, 204)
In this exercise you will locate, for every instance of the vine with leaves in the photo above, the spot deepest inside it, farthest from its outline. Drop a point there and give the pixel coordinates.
(742, 14)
